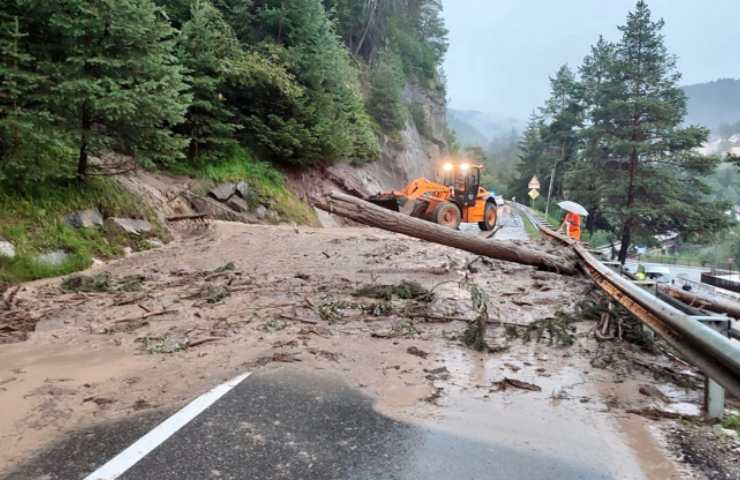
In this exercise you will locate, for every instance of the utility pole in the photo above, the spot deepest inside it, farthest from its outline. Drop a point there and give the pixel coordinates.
(549, 190)
(552, 177)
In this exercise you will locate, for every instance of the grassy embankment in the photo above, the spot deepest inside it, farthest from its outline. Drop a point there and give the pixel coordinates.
(532, 230)
(32, 219)
(268, 183)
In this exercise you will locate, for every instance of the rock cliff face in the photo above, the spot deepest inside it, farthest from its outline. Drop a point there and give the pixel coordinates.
(415, 153)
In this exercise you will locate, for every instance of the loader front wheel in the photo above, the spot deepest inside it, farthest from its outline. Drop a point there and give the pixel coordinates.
(490, 215)
(448, 215)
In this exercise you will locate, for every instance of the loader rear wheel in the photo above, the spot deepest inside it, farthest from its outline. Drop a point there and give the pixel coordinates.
(490, 216)
(448, 215)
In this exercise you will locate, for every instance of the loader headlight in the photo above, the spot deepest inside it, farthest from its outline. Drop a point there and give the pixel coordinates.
(464, 167)
(447, 167)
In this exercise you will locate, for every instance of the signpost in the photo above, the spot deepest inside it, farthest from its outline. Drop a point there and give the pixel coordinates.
(534, 189)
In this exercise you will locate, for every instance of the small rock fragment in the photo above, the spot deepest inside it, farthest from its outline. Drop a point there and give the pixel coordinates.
(513, 382)
(418, 352)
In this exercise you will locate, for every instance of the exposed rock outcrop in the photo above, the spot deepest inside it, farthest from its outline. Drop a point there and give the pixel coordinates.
(53, 258)
(132, 225)
(84, 218)
(7, 249)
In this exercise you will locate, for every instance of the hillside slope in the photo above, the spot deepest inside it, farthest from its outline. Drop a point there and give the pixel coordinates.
(475, 128)
(467, 135)
(714, 103)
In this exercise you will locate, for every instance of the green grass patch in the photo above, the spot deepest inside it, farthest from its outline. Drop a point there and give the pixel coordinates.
(554, 217)
(532, 231)
(732, 422)
(266, 180)
(32, 219)
(598, 238)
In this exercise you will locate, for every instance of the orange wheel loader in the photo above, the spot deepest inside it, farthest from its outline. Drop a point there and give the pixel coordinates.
(459, 198)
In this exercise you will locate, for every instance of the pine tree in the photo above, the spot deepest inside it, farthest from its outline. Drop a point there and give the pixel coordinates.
(328, 121)
(30, 148)
(208, 48)
(585, 178)
(387, 82)
(117, 83)
(657, 186)
(563, 112)
(532, 160)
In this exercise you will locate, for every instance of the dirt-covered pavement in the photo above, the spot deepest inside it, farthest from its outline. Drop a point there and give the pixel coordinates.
(155, 329)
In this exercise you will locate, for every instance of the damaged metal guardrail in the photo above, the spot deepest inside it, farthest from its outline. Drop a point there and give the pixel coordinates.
(715, 355)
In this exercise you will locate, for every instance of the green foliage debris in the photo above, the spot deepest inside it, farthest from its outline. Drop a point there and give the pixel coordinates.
(406, 290)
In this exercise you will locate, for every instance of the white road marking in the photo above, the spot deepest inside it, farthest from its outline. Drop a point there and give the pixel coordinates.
(142, 447)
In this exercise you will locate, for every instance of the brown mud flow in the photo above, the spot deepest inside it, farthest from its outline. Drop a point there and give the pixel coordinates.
(254, 298)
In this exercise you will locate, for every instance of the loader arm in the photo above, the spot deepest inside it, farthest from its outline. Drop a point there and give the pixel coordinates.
(420, 187)
(405, 200)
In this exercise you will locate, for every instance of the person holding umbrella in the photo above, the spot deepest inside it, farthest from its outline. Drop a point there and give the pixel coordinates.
(572, 221)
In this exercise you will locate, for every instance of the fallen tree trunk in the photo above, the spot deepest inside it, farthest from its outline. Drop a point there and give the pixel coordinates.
(369, 214)
(714, 304)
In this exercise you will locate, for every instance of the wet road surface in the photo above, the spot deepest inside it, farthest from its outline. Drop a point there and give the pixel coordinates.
(510, 223)
(290, 424)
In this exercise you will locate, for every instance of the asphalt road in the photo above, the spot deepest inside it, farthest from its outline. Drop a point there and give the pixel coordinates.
(510, 223)
(288, 424)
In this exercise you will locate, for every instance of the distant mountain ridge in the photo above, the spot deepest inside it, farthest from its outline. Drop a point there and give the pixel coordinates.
(713, 103)
(474, 128)
(467, 135)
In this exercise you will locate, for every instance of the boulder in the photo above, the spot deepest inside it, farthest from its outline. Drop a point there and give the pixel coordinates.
(84, 218)
(132, 226)
(261, 212)
(214, 209)
(242, 189)
(237, 204)
(223, 192)
(6, 248)
(53, 258)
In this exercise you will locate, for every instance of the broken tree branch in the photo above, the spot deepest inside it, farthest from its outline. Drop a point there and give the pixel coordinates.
(368, 214)
(144, 317)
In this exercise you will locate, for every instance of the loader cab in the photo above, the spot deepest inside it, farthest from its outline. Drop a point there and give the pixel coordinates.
(464, 178)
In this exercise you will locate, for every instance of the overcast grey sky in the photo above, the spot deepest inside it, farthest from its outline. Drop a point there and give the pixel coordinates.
(502, 51)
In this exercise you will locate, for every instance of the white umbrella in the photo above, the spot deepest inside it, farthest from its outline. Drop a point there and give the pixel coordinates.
(573, 207)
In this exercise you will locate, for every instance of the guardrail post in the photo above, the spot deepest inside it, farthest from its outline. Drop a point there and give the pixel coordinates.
(714, 399)
(714, 393)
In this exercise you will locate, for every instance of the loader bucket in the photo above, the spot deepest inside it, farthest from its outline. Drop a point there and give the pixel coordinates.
(386, 201)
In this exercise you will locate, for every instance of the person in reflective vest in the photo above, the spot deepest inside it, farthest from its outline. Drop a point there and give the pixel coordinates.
(572, 226)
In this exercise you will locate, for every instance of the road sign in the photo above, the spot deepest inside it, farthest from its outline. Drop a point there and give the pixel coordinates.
(533, 194)
(534, 184)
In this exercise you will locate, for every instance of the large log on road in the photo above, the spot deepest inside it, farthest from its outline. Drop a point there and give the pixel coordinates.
(715, 304)
(368, 214)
